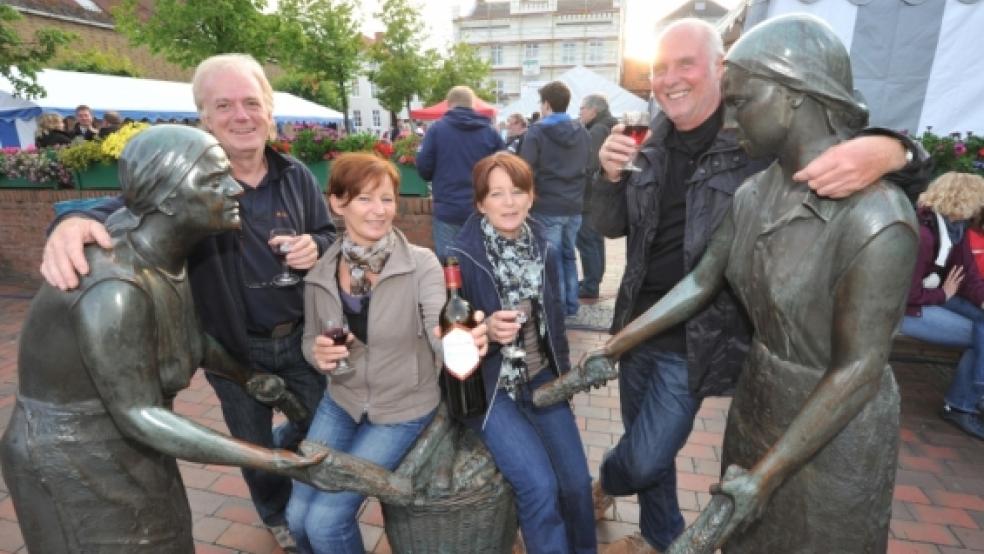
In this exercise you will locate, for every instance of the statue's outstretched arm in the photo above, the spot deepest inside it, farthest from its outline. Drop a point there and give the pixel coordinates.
(268, 388)
(684, 300)
(117, 335)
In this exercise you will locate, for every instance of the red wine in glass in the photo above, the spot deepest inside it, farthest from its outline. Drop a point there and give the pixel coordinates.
(637, 132)
(636, 126)
(338, 332)
(285, 278)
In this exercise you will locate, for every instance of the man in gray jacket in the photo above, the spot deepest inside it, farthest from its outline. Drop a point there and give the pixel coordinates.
(598, 120)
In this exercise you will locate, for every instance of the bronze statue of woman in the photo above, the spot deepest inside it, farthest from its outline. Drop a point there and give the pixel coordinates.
(815, 415)
(89, 453)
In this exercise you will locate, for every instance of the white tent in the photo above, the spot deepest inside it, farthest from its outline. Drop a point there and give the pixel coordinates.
(582, 82)
(917, 63)
(148, 98)
(18, 121)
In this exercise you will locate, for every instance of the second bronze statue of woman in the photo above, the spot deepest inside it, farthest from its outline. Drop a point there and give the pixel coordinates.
(815, 414)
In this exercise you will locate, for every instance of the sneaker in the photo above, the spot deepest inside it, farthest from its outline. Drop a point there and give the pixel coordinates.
(601, 500)
(632, 544)
(283, 537)
(969, 423)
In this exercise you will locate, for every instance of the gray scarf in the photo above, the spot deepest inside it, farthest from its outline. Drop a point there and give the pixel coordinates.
(364, 260)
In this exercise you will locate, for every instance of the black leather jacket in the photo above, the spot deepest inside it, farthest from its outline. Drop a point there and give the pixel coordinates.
(717, 337)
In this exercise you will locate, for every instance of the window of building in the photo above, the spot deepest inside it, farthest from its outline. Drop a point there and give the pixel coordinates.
(376, 119)
(373, 90)
(568, 53)
(357, 118)
(495, 54)
(354, 87)
(596, 51)
(532, 51)
(499, 90)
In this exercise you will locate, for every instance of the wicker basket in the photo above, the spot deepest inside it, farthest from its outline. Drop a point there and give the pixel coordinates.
(481, 522)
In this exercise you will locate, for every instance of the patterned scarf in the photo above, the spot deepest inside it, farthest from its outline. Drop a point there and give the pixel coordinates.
(363, 260)
(517, 268)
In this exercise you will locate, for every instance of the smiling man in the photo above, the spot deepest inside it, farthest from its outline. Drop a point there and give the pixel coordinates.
(691, 168)
(231, 274)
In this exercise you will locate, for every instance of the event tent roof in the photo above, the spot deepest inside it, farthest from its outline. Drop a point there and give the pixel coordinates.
(582, 82)
(437, 110)
(150, 98)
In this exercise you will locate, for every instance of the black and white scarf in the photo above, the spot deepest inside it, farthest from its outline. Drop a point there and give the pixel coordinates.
(362, 260)
(517, 269)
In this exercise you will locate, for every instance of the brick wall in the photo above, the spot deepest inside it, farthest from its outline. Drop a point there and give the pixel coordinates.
(25, 215)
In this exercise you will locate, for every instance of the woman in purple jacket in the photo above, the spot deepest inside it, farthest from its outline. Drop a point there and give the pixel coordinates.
(947, 293)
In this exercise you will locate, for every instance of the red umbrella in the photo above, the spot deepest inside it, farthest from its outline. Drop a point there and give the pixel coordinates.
(431, 113)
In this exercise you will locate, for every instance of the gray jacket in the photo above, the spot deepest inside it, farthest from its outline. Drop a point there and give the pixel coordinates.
(396, 377)
(717, 337)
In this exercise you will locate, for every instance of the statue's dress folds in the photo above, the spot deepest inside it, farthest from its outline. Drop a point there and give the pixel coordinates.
(785, 267)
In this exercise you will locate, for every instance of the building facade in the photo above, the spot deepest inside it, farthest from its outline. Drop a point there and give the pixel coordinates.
(532, 42)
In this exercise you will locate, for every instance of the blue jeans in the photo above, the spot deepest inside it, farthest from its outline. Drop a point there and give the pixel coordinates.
(591, 247)
(252, 421)
(561, 232)
(444, 234)
(957, 323)
(539, 452)
(658, 413)
(325, 522)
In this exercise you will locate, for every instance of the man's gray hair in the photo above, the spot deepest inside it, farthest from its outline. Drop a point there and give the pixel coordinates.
(597, 102)
(712, 39)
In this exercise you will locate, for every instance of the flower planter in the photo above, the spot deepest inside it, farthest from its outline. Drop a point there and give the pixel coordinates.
(99, 177)
(320, 170)
(411, 183)
(23, 183)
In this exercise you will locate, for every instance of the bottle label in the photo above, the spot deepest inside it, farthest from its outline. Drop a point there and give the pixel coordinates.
(452, 276)
(460, 354)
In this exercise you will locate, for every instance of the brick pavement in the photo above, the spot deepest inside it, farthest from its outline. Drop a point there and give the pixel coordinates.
(939, 497)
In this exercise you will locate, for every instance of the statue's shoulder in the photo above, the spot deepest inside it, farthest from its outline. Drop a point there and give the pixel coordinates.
(878, 206)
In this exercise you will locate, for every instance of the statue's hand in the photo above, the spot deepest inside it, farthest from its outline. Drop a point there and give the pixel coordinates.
(750, 492)
(271, 390)
(594, 370)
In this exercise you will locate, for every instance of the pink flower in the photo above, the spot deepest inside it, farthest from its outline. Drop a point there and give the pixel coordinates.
(959, 148)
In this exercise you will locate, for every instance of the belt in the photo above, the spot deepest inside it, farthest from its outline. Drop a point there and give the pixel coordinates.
(279, 330)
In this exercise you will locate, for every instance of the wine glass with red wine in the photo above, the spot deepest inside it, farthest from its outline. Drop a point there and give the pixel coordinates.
(636, 127)
(337, 331)
(280, 249)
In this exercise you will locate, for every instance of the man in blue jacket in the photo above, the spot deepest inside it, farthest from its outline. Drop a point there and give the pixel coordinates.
(450, 149)
(557, 148)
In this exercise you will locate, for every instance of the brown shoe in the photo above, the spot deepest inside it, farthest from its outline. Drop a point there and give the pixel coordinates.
(632, 544)
(601, 499)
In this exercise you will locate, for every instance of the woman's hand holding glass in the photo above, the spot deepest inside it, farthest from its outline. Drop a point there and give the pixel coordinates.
(504, 325)
(331, 347)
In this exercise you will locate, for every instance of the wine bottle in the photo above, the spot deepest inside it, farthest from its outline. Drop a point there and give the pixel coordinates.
(463, 388)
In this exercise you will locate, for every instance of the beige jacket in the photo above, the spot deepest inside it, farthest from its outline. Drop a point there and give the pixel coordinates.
(396, 377)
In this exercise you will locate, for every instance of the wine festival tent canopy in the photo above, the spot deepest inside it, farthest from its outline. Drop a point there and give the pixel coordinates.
(17, 120)
(917, 63)
(437, 110)
(133, 98)
(582, 82)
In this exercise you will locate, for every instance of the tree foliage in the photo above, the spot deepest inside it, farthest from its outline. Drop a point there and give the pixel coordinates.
(401, 67)
(309, 87)
(187, 31)
(20, 60)
(320, 39)
(94, 61)
(463, 66)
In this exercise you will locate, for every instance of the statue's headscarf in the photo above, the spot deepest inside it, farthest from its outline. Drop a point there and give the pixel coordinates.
(152, 166)
(801, 52)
